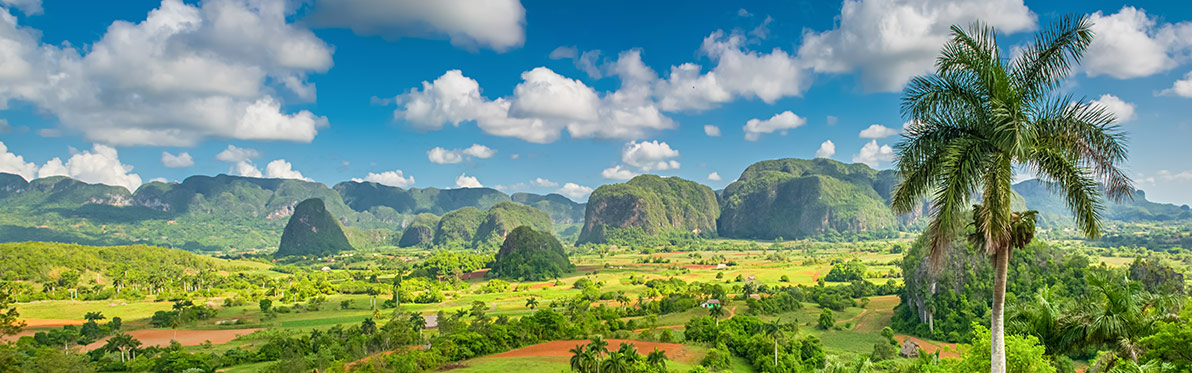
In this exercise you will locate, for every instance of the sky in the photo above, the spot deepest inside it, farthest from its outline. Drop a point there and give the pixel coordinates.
(535, 96)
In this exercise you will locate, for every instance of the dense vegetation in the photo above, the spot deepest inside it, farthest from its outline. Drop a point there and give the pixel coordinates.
(649, 205)
(796, 198)
(531, 255)
(312, 231)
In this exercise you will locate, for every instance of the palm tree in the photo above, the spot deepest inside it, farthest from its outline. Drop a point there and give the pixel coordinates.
(616, 363)
(577, 358)
(657, 358)
(598, 346)
(1047, 318)
(629, 352)
(978, 117)
(1120, 314)
(532, 302)
(122, 343)
(774, 330)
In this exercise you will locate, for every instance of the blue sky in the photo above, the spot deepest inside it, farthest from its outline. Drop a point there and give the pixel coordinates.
(559, 96)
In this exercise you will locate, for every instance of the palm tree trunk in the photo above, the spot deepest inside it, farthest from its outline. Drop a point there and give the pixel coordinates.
(1001, 263)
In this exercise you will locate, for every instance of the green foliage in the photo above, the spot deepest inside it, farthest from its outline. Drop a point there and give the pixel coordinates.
(1171, 341)
(852, 270)
(562, 210)
(312, 231)
(36, 261)
(654, 204)
(796, 198)
(420, 231)
(826, 321)
(531, 255)
(1023, 354)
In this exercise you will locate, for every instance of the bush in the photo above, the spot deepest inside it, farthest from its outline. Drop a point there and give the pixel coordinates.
(1023, 354)
(826, 320)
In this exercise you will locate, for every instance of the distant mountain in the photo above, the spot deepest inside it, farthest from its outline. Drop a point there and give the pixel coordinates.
(312, 231)
(1054, 211)
(649, 205)
(369, 196)
(794, 198)
(472, 227)
(562, 210)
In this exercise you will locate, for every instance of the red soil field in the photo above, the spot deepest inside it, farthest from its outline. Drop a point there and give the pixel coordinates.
(676, 352)
(162, 337)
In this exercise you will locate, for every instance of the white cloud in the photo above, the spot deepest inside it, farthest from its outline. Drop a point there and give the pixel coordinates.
(15, 164)
(159, 180)
(780, 122)
(440, 155)
(617, 172)
(575, 191)
(544, 183)
(101, 165)
(649, 156)
(738, 73)
(1131, 44)
(234, 154)
(715, 176)
(184, 74)
(29, 7)
(1123, 111)
(542, 106)
(498, 25)
(1166, 175)
(393, 178)
(744, 13)
(711, 130)
(877, 131)
(890, 41)
(465, 181)
(281, 169)
(1182, 88)
(564, 52)
(244, 168)
(871, 154)
(826, 150)
(181, 160)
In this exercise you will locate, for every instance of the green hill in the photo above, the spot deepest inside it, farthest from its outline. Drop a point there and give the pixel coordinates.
(472, 227)
(420, 231)
(1054, 211)
(649, 205)
(365, 196)
(312, 231)
(794, 198)
(562, 210)
(531, 255)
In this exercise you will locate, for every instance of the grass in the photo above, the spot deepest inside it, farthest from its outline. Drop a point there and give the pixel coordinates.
(74, 309)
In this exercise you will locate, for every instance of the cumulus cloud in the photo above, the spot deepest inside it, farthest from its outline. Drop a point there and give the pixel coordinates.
(29, 7)
(564, 52)
(1131, 44)
(889, 41)
(244, 168)
(711, 130)
(1182, 88)
(826, 150)
(183, 74)
(877, 131)
(544, 183)
(440, 155)
(393, 178)
(181, 160)
(575, 191)
(234, 154)
(281, 169)
(714, 176)
(1122, 110)
(498, 25)
(871, 154)
(542, 106)
(100, 165)
(15, 164)
(465, 181)
(617, 172)
(780, 122)
(739, 73)
(649, 156)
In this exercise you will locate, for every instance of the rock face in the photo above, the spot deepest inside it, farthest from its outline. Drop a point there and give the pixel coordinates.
(650, 205)
(312, 231)
(910, 349)
(530, 255)
(421, 231)
(795, 198)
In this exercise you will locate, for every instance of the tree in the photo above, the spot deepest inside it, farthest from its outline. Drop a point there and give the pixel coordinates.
(773, 329)
(368, 326)
(616, 363)
(826, 320)
(978, 118)
(716, 311)
(629, 352)
(578, 355)
(599, 347)
(532, 302)
(265, 305)
(93, 316)
(1120, 316)
(122, 343)
(657, 358)
(10, 322)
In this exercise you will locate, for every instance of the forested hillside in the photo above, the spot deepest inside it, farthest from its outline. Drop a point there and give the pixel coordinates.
(649, 205)
(1054, 212)
(312, 231)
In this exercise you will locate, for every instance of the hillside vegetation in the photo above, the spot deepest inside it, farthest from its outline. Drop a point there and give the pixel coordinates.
(649, 205)
(472, 227)
(531, 255)
(312, 231)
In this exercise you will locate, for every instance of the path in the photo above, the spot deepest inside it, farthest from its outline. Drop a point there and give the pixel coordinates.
(947, 350)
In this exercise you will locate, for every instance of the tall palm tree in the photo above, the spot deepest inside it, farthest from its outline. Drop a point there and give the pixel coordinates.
(577, 358)
(616, 363)
(532, 302)
(978, 117)
(629, 352)
(1048, 318)
(1120, 314)
(774, 330)
(657, 358)
(599, 347)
